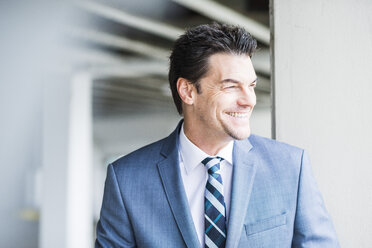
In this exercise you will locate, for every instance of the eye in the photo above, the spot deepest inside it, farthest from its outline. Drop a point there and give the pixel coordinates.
(230, 86)
(253, 85)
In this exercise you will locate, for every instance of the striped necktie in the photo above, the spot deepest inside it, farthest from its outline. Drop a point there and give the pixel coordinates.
(214, 205)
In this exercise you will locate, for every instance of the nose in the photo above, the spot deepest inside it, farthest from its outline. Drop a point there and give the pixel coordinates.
(247, 97)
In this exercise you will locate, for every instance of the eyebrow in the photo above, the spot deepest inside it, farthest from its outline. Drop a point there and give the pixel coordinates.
(227, 80)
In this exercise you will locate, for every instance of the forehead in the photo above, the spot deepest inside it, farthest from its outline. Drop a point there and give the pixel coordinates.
(226, 65)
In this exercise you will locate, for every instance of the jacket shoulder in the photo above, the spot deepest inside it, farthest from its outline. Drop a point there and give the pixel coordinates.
(275, 153)
(144, 156)
(273, 146)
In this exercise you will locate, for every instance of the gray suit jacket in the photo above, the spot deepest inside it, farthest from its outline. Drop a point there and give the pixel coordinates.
(275, 201)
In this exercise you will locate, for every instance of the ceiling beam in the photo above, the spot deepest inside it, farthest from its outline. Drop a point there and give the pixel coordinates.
(120, 42)
(125, 70)
(224, 14)
(151, 26)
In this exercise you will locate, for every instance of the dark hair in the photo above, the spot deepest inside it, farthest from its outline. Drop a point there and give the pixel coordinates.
(191, 51)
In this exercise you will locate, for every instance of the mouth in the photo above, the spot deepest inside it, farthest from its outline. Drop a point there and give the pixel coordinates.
(238, 114)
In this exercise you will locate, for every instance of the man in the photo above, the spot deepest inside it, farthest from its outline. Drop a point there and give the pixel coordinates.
(211, 183)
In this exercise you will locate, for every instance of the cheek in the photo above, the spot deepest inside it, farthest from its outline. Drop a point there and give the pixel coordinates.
(222, 105)
(253, 98)
(226, 100)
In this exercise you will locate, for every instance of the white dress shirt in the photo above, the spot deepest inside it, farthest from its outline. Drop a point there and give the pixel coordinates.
(195, 176)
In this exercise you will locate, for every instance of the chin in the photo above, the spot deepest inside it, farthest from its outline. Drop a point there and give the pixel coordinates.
(237, 129)
(238, 134)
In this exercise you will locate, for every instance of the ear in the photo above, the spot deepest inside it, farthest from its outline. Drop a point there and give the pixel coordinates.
(185, 90)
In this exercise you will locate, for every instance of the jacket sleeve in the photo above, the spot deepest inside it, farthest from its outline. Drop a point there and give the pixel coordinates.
(313, 226)
(114, 228)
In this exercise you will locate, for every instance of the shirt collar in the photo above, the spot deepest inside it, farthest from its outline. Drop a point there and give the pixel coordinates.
(191, 155)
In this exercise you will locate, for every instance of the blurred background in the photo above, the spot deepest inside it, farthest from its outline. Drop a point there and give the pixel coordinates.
(85, 82)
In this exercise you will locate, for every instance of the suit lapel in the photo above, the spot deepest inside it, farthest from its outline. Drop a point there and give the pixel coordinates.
(244, 170)
(174, 189)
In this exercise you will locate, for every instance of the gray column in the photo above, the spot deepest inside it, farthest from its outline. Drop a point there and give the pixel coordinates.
(323, 86)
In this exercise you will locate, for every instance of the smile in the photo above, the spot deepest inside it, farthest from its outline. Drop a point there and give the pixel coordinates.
(238, 114)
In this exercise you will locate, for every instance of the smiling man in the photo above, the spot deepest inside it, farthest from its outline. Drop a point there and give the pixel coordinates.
(211, 183)
(218, 111)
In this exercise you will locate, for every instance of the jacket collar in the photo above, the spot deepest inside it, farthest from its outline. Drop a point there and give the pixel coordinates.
(173, 185)
(245, 164)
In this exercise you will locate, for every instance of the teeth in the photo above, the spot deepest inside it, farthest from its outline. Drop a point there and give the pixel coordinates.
(238, 115)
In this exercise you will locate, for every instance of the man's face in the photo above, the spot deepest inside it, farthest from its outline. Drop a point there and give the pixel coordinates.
(223, 107)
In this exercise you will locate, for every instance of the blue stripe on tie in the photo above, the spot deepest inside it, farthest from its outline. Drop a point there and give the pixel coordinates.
(216, 236)
(212, 213)
(209, 228)
(218, 217)
(215, 220)
(217, 227)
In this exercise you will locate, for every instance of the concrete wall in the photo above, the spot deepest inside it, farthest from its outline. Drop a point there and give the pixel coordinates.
(323, 89)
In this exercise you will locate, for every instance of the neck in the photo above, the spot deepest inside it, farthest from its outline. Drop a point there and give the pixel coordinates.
(208, 143)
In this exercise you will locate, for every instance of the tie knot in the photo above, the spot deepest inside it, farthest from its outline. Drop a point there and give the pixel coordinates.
(212, 164)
